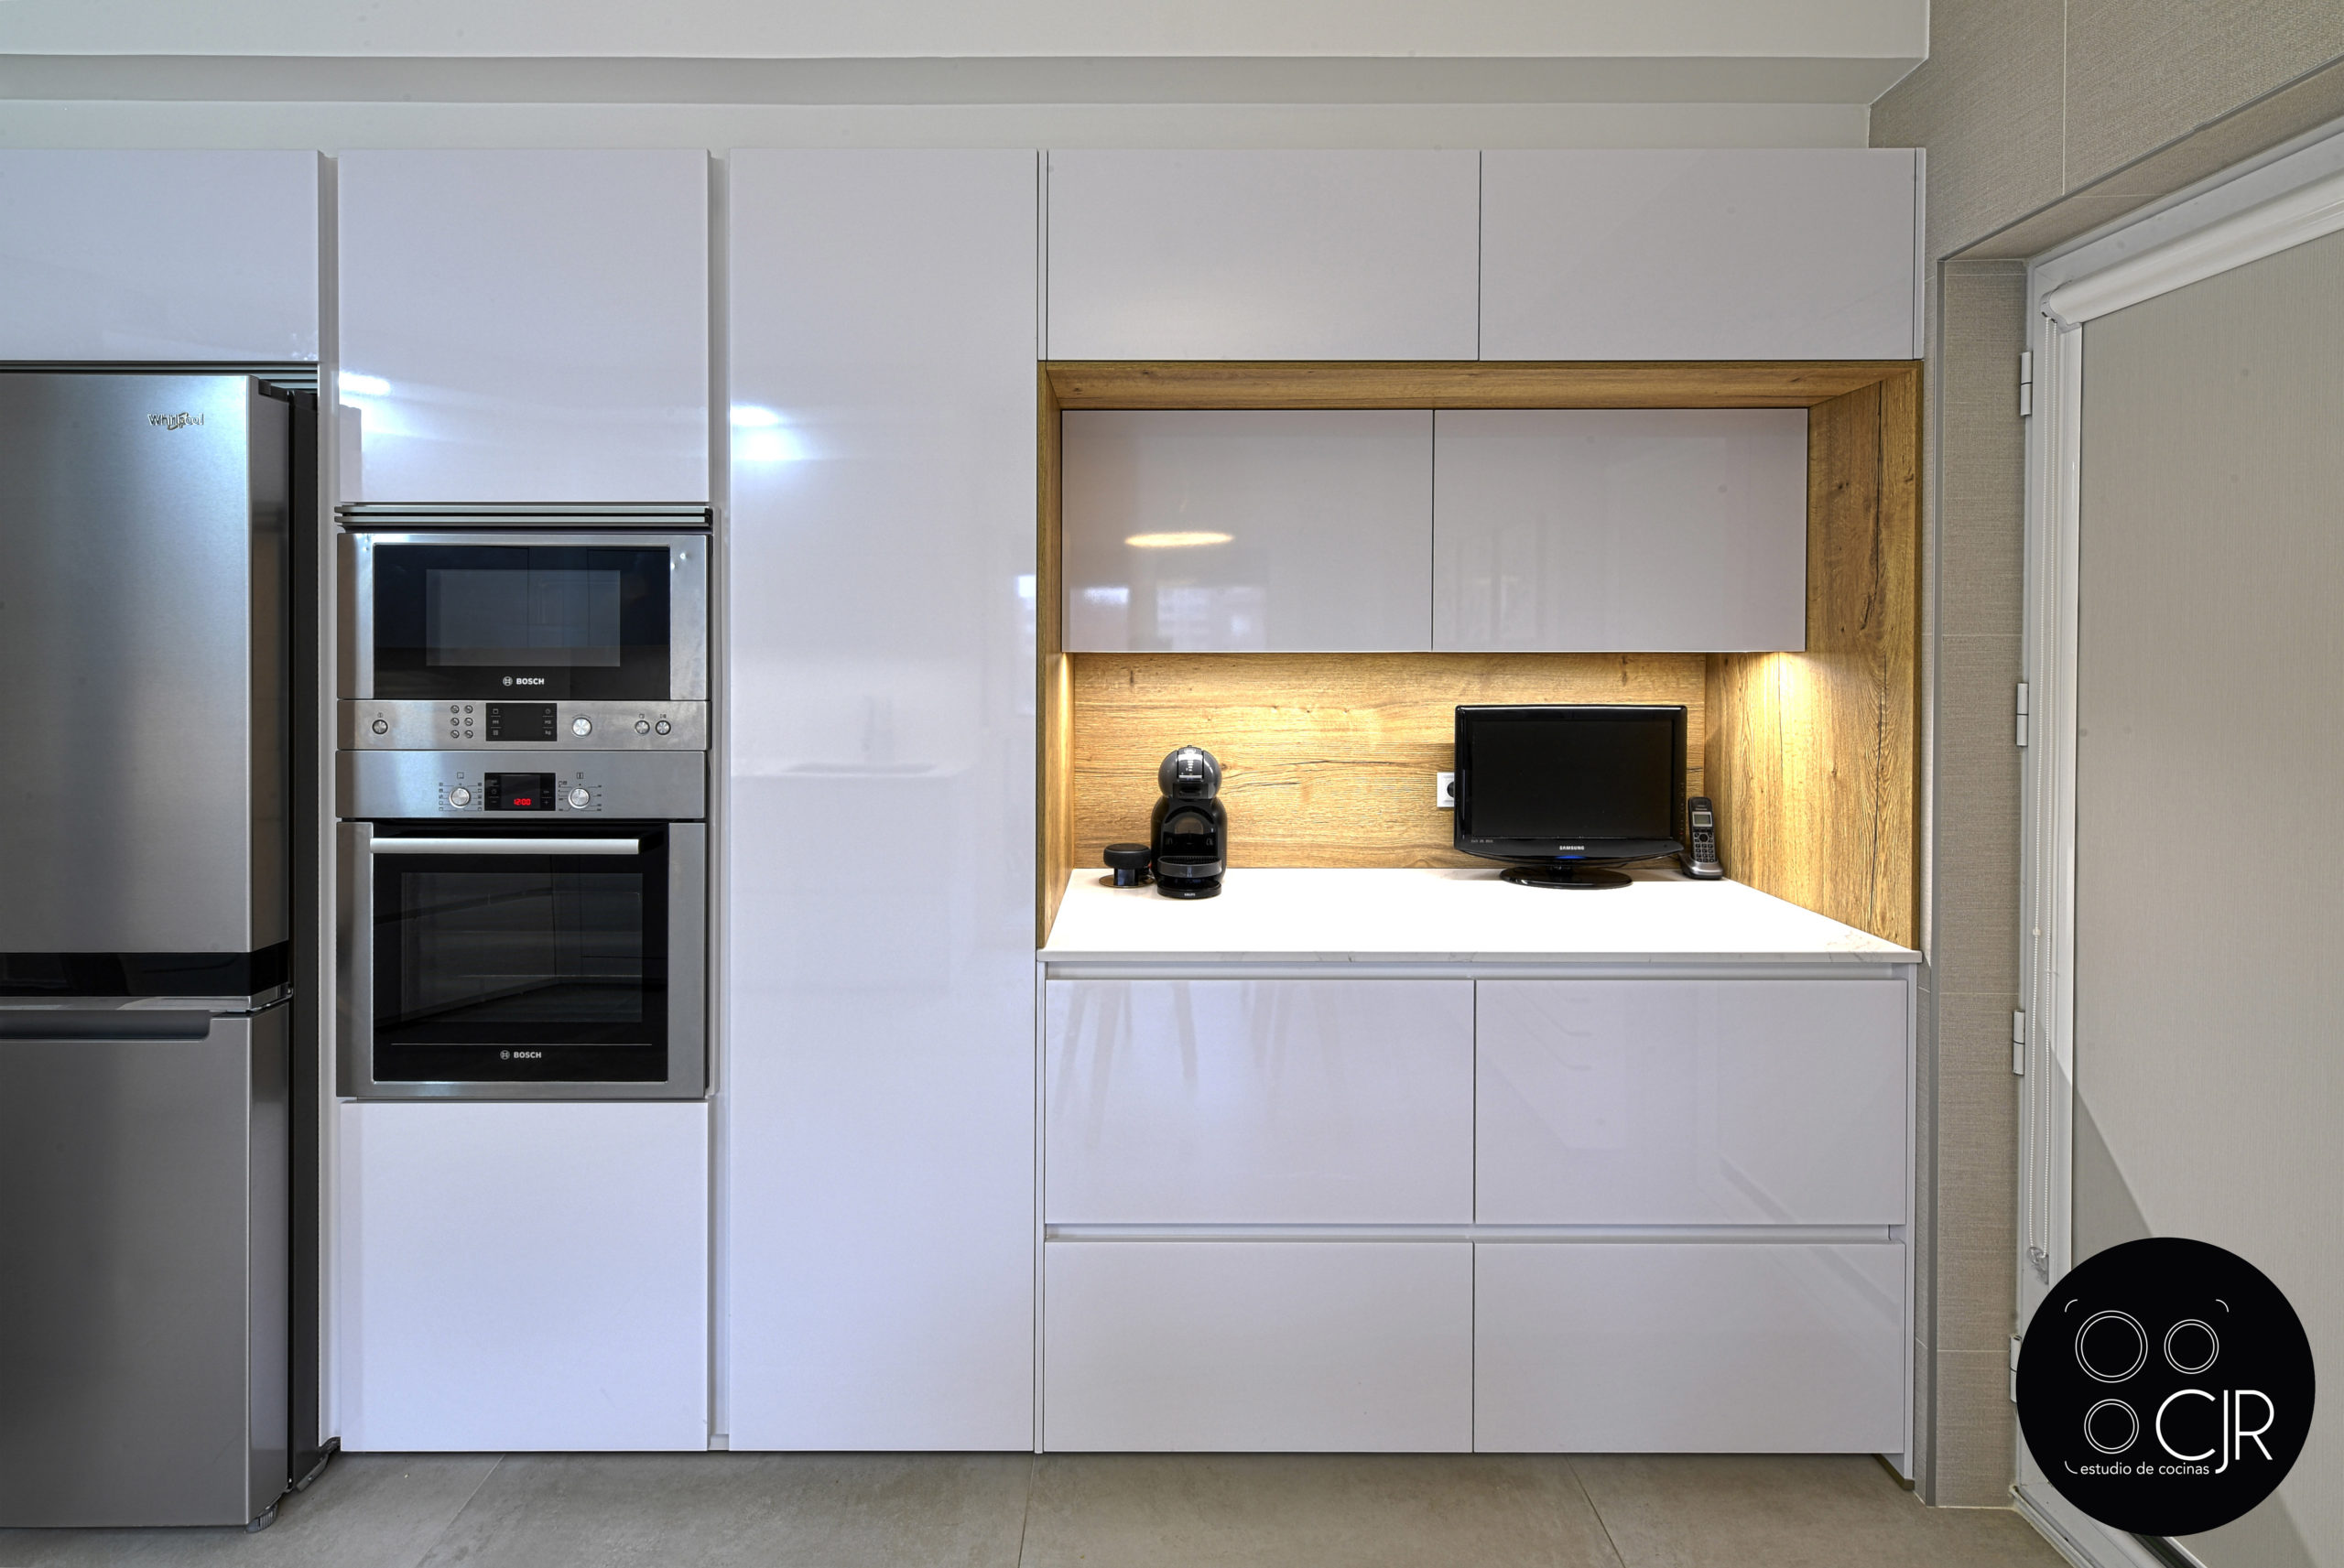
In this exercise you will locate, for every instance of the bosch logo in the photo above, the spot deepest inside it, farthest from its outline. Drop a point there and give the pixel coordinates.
(524, 680)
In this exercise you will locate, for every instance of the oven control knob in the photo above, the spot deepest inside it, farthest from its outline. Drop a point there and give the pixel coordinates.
(664, 727)
(643, 726)
(579, 799)
(459, 796)
(582, 725)
(382, 726)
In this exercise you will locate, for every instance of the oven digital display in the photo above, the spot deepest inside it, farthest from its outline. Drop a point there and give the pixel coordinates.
(520, 791)
(521, 720)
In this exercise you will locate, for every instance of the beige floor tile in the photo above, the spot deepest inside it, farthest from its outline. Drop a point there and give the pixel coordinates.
(1790, 1511)
(368, 1510)
(1304, 1510)
(735, 1511)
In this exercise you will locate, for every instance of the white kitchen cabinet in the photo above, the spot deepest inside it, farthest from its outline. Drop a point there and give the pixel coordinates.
(1258, 1345)
(1270, 1101)
(1670, 1347)
(1691, 1102)
(159, 256)
(522, 1276)
(1280, 255)
(1772, 253)
(524, 326)
(880, 1056)
(1619, 530)
(1248, 530)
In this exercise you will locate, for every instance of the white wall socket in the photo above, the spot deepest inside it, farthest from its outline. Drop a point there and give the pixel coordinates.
(1444, 791)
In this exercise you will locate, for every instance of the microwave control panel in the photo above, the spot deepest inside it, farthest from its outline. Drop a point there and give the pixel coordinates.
(518, 786)
(370, 725)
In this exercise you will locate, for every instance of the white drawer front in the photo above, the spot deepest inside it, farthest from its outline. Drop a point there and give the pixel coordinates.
(1258, 1347)
(1683, 1347)
(1691, 1102)
(1259, 1101)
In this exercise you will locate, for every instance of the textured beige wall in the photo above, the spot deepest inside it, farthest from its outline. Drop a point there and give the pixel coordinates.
(2078, 112)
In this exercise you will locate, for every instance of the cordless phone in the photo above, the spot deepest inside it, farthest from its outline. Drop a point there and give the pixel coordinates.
(1701, 857)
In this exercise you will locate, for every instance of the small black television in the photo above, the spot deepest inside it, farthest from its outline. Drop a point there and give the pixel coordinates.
(1567, 791)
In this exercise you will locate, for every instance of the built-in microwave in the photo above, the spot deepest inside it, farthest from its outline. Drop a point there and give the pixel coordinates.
(517, 927)
(538, 639)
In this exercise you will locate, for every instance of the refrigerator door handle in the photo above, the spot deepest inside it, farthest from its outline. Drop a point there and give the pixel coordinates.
(546, 845)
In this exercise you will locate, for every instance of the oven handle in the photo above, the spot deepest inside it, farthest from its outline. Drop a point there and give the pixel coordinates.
(545, 846)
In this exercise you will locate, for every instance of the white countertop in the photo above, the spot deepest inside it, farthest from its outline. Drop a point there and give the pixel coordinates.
(1448, 916)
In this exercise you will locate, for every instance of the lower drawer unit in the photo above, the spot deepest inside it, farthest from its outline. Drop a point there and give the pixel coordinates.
(1664, 1347)
(1258, 1345)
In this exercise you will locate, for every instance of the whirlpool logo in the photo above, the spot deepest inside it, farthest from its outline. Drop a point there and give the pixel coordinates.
(179, 421)
(2165, 1387)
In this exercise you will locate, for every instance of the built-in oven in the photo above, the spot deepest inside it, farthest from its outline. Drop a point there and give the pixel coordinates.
(515, 926)
(542, 639)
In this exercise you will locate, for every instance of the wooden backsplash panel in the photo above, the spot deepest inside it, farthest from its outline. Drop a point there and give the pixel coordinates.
(1327, 759)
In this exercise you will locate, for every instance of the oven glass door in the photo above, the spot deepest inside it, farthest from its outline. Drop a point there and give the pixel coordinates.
(585, 622)
(492, 966)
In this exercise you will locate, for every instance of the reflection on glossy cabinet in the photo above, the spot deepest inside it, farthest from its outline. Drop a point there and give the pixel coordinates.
(1284, 254)
(1259, 1101)
(120, 254)
(1671, 1347)
(524, 1276)
(1619, 530)
(1210, 531)
(1769, 253)
(524, 325)
(1221, 1346)
(879, 967)
(1691, 1102)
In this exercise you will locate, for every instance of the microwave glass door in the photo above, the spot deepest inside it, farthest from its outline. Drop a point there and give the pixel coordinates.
(506, 968)
(586, 622)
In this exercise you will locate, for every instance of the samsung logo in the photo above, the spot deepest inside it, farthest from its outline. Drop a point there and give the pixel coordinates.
(179, 421)
(1571, 845)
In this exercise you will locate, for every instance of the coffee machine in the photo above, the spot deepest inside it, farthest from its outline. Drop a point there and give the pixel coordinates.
(1189, 831)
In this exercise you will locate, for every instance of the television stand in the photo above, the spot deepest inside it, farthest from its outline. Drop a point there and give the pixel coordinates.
(1564, 874)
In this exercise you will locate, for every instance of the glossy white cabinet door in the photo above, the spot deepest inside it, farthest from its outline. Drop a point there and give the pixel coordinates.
(1269, 1101)
(520, 1276)
(879, 748)
(1679, 1347)
(1691, 1102)
(159, 256)
(1238, 1346)
(1627, 530)
(1262, 256)
(524, 326)
(1245, 530)
(1770, 253)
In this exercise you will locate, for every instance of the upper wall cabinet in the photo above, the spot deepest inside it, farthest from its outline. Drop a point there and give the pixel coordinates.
(1766, 254)
(1262, 255)
(1281, 531)
(524, 326)
(1627, 530)
(159, 256)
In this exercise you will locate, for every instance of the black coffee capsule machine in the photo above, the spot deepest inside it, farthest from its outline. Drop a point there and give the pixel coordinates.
(1189, 830)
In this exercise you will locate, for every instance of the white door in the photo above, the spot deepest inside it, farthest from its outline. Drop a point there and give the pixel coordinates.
(879, 760)
(524, 326)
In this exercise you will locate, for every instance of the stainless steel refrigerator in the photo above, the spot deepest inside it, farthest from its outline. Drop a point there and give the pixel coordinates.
(149, 1055)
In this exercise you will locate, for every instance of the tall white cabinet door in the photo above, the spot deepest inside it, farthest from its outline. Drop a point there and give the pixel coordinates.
(1262, 256)
(1691, 1102)
(1699, 1347)
(523, 1275)
(878, 869)
(1769, 253)
(1248, 530)
(159, 256)
(1259, 1101)
(1627, 530)
(524, 326)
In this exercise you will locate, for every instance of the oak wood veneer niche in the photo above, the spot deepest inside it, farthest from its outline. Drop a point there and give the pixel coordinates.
(1812, 758)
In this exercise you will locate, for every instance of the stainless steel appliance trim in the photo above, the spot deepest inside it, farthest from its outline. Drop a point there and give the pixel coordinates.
(417, 724)
(508, 514)
(688, 959)
(544, 844)
(687, 596)
(625, 787)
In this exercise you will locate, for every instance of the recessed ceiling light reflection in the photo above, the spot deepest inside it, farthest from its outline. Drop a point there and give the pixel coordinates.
(365, 385)
(749, 417)
(1174, 541)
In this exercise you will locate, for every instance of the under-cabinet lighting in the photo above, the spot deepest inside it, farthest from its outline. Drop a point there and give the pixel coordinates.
(365, 385)
(1174, 541)
(749, 417)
